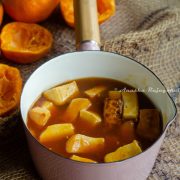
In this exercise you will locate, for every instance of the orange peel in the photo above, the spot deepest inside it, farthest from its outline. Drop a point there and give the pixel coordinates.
(10, 88)
(25, 43)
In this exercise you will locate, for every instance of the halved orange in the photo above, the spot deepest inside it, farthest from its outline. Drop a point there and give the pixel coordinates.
(106, 8)
(25, 43)
(10, 88)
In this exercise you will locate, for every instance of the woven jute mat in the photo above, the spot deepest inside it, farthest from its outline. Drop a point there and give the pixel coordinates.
(147, 31)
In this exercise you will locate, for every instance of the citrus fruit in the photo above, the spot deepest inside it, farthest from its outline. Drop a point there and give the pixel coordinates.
(25, 43)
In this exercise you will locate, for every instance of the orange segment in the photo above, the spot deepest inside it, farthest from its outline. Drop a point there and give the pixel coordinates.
(106, 8)
(82, 144)
(10, 88)
(25, 43)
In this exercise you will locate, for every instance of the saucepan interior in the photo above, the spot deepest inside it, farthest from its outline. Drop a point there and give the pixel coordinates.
(84, 64)
(97, 64)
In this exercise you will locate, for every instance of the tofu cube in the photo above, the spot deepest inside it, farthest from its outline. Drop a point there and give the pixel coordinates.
(90, 118)
(79, 143)
(74, 108)
(149, 124)
(81, 159)
(39, 116)
(123, 152)
(130, 109)
(95, 91)
(113, 109)
(62, 94)
(115, 94)
(56, 132)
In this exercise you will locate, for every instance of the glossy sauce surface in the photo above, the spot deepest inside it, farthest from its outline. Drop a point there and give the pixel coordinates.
(113, 138)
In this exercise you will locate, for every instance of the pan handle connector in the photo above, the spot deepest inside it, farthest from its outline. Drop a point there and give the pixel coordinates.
(86, 25)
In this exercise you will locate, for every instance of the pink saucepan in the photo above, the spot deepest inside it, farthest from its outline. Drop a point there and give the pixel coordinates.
(86, 63)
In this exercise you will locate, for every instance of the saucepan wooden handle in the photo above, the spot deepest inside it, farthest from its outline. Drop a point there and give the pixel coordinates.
(86, 25)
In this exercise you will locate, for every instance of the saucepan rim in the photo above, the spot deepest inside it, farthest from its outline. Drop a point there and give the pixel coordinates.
(107, 163)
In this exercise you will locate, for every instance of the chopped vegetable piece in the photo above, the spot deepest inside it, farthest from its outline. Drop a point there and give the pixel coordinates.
(149, 124)
(75, 107)
(79, 143)
(48, 105)
(127, 131)
(130, 110)
(124, 152)
(115, 94)
(62, 94)
(95, 91)
(81, 159)
(113, 109)
(40, 116)
(90, 118)
(56, 132)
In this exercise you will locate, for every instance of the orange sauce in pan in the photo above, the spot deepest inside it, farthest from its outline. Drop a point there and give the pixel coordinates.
(113, 138)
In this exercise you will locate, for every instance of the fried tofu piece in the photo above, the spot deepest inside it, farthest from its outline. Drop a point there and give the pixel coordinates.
(79, 143)
(90, 118)
(75, 107)
(40, 116)
(123, 152)
(95, 91)
(130, 109)
(56, 132)
(149, 124)
(115, 94)
(113, 109)
(81, 159)
(62, 94)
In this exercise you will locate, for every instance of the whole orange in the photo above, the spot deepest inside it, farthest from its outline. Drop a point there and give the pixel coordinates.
(30, 11)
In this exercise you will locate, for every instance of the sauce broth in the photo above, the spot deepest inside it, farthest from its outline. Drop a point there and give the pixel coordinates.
(113, 139)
